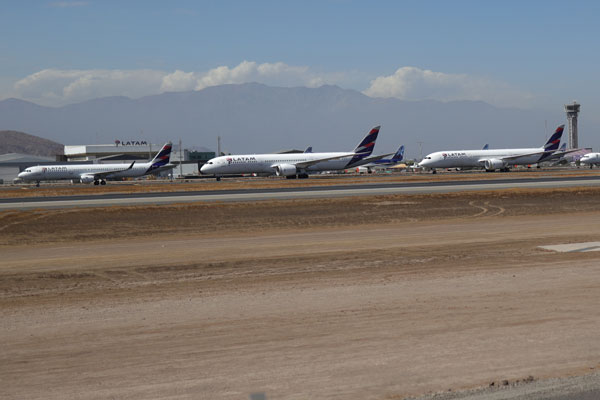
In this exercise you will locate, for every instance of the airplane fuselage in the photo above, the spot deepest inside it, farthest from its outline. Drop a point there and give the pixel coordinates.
(98, 173)
(80, 171)
(267, 163)
(61, 172)
(477, 158)
(590, 159)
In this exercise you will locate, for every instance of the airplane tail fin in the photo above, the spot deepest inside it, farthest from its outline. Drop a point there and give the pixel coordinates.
(554, 141)
(399, 154)
(365, 147)
(486, 146)
(308, 149)
(161, 158)
(368, 143)
(563, 147)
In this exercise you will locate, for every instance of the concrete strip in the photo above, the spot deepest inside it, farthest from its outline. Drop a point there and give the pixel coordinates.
(241, 197)
(573, 247)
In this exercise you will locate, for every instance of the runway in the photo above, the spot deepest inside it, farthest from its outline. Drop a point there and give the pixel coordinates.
(129, 199)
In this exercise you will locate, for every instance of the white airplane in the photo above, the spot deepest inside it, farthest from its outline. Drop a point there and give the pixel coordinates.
(591, 159)
(383, 163)
(98, 173)
(294, 164)
(492, 159)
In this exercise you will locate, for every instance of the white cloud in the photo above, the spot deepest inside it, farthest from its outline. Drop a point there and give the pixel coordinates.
(278, 74)
(55, 87)
(411, 83)
(58, 87)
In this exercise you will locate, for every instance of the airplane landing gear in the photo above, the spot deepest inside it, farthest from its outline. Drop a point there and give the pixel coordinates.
(302, 176)
(103, 182)
(433, 171)
(37, 183)
(218, 178)
(96, 183)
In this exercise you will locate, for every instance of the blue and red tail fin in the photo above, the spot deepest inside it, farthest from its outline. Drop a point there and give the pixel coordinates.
(399, 154)
(368, 143)
(162, 157)
(554, 141)
(365, 147)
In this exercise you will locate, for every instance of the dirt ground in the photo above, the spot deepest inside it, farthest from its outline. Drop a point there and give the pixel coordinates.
(378, 297)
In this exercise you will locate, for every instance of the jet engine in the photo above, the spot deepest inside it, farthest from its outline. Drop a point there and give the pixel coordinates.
(86, 178)
(285, 169)
(494, 164)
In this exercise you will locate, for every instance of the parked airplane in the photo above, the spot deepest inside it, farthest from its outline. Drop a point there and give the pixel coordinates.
(295, 164)
(98, 173)
(382, 163)
(492, 159)
(591, 159)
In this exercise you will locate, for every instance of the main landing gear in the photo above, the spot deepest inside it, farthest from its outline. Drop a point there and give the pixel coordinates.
(100, 182)
(299, 176)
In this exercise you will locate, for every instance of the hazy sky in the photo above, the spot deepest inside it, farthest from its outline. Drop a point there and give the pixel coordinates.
(530, 54)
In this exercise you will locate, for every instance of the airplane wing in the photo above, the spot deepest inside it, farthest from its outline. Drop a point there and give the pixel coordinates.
(163, 168)
(560, 154)
(104, 174)
(367, 160)
(515, 157)
(375, 158)
(306, 164)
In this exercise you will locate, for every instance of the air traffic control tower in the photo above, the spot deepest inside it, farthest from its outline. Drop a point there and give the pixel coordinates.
(572, 110)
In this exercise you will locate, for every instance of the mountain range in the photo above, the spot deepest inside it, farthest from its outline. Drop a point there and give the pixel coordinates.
(20, 142)
(254, 118)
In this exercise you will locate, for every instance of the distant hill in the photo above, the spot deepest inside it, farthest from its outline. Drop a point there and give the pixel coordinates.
(19, 142)
(255, 118)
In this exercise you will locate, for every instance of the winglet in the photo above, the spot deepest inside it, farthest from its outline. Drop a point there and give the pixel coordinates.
(131, 166)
